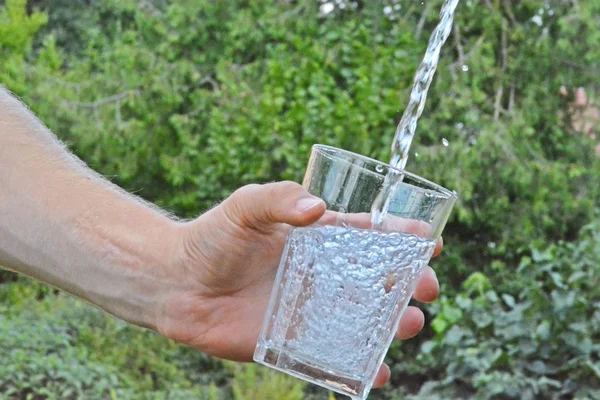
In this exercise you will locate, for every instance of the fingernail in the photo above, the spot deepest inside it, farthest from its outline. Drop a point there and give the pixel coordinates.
(307, 203)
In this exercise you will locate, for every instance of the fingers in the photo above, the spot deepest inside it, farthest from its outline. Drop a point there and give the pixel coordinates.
(428, 287)
(258, 206)
(355, 220)
(438, 247)
(383, 376)
(391, 223)
(411, 323)
(411, 226)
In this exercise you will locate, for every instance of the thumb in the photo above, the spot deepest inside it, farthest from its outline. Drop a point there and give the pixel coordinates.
(258, 206)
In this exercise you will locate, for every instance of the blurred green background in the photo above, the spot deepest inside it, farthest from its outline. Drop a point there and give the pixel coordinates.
(182, 102)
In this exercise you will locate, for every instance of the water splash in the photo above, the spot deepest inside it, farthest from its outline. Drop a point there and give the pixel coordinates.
(423, 78)
(407, 127)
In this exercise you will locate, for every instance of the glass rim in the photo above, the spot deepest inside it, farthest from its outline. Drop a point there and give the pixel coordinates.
(328, 151)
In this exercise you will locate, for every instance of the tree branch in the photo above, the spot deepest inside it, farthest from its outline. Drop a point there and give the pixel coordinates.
(469, 54)
(504, 57)
(211, 82)
(110, 99)
(422, 20)
(498, 103)
(457, 41)
(152, 9)
(509, 12)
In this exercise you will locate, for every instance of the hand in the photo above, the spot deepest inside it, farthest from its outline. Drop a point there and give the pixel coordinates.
(227, 262)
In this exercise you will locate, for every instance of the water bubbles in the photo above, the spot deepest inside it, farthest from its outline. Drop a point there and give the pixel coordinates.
(379, 168)
(465, 68)
(348, 304)
(445, 142)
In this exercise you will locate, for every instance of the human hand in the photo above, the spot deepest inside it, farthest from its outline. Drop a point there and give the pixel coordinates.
(227, 262)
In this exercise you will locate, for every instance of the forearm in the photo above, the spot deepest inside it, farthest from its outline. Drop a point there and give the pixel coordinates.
(64, 225)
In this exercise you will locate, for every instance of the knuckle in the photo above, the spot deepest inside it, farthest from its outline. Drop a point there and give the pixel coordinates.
(244, 191)
(289, 187)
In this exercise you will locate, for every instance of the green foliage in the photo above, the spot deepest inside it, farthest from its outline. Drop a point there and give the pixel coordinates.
(183, 102)
(257, 382)
(537, 340)
(17, 28)
(78, 352)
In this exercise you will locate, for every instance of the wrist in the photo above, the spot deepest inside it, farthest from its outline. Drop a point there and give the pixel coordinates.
(132, 263)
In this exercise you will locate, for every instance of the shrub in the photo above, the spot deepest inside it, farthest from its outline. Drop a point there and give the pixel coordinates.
(536, 340)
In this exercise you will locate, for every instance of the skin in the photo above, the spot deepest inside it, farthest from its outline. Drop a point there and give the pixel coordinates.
(204, 282)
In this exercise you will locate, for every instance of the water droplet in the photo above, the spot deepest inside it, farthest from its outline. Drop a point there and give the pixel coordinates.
(465, 68)
(536, 19)
(472, 140)
(460, 125)
(379, 168)
(445, 142)
(492, 245)
(550, 12)
(387, 10)
(416, 154)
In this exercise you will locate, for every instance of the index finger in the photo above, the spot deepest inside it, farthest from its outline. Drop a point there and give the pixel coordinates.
(392, 224)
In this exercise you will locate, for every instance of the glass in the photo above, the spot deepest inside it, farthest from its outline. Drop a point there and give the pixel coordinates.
(342, 286)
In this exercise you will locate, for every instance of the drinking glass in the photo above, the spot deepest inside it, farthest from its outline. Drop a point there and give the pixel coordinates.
(343, 283)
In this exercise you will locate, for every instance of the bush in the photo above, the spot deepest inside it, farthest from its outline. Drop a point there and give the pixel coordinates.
(60, 348)
(537, 340)
(255, 382)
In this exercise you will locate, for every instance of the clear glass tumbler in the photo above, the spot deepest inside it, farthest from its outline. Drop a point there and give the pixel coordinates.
(342, 286)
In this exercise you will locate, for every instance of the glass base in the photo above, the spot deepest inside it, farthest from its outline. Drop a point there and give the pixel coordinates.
(287, 362)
